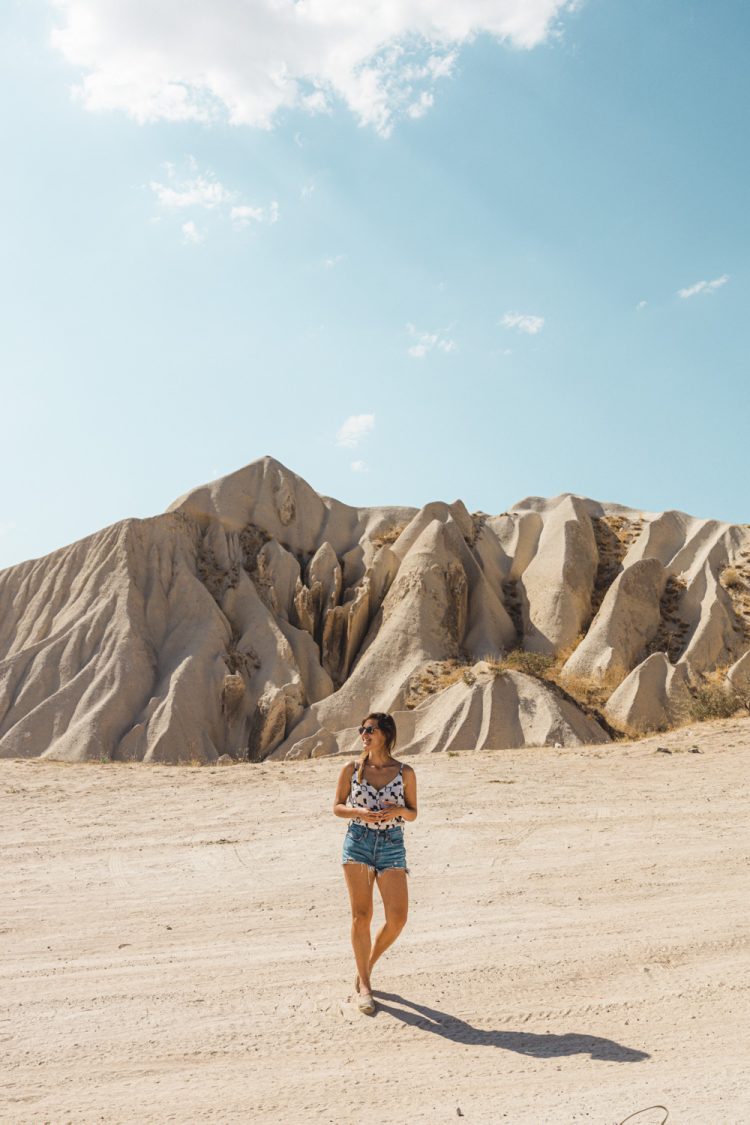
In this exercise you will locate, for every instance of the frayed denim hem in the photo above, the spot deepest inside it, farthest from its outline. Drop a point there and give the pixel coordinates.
(374, 870)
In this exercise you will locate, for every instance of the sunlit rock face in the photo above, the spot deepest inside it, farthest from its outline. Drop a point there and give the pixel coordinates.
(258, 619)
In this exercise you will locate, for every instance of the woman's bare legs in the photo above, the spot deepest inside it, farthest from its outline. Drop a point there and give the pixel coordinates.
(394, 891)
(359, 882)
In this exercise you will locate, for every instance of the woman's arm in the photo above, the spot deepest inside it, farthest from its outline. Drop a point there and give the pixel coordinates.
(410, 794)
(343, 788)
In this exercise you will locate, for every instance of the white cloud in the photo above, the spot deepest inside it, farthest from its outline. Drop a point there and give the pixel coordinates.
(202, 190)
(246, 62)
(641, 305)
(354, 429)
(524, 322)
(426, 341)
(334, 260)
(191, 232)
(703, 287)
(243, 214)
(359, 467)
(419, 108)
(198, 192)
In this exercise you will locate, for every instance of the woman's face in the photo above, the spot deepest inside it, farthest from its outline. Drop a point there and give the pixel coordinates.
(372, 736)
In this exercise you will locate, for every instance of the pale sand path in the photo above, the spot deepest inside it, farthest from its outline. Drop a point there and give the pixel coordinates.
(174, 943)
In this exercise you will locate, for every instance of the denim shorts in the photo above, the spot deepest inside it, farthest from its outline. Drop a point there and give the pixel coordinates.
(379, 849)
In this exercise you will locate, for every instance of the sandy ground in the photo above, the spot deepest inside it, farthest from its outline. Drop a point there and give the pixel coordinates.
(174, 943)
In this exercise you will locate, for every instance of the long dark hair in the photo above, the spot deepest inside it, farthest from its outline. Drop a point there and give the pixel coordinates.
(385, 723)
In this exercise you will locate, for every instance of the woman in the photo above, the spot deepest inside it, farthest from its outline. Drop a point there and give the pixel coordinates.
(376, 794)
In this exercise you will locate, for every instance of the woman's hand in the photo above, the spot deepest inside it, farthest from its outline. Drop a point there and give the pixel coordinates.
(371, 816)
(389, 812)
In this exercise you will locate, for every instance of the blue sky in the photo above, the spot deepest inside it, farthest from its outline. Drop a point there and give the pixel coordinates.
(412, 261)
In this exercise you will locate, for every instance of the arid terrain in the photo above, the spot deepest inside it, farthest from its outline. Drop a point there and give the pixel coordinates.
(175, 942)
(258, 619)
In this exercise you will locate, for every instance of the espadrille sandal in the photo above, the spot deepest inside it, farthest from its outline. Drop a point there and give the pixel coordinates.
(366, 1004)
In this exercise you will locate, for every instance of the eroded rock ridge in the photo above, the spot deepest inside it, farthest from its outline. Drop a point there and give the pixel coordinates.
(256, 618)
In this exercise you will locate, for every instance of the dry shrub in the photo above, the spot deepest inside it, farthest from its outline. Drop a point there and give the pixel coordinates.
(715, 696)
(713, 700)
(390, 535)
(564, 654)
(594, 693)
(435, 677)
(731, 579)
(536, 664)
(586, 691)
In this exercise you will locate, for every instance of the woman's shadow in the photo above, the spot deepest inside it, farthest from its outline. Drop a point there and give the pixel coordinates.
(523, 1042)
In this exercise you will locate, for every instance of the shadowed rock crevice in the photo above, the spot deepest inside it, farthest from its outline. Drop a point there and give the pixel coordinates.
(735, 580)
(671, 636)
(252, 540)
(216, 578)
(512, 602)
(613, 535)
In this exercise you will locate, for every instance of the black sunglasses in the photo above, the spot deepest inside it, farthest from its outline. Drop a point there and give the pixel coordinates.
(368, 730)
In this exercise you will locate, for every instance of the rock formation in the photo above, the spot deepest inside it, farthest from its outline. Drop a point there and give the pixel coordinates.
(256, 618)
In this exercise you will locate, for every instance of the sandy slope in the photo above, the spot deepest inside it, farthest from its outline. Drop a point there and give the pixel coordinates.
(174, 942)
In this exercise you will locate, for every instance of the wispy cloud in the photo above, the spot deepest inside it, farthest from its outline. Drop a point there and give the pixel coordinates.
(243, 214)
(6, 528)
(427, 341)
(703, 287)
(246, 63)
(202, 190)
(359, 466)
(419, 108)
(333, 260)
(523, 322)
(641, 305)
(198, 192)
(191, 233)
(354, 429)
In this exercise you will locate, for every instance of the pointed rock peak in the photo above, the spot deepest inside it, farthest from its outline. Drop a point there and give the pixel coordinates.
(264, 493)
(461, 515)
(322, 564)
(250, 477)
(546, 504)
(530, 504)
